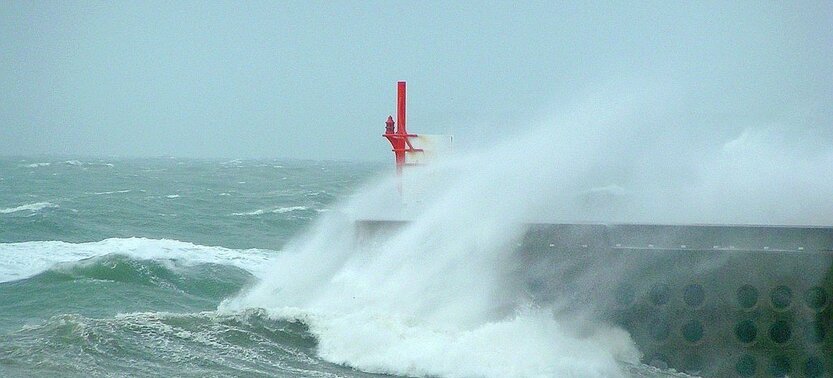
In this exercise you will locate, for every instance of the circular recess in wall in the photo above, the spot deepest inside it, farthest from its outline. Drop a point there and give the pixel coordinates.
(694, 295)
(747, 297)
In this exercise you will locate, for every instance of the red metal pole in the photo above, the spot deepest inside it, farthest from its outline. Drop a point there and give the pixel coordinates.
(399, 138)
(400, 108)
(400, 125)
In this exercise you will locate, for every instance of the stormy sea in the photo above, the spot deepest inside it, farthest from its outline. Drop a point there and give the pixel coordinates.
(183, 267)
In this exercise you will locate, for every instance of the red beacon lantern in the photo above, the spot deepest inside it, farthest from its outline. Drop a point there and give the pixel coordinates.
(411, 150)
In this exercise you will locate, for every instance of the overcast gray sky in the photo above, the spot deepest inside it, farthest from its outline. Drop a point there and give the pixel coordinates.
(317, 79)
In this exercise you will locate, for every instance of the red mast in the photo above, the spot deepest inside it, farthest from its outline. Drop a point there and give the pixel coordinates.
(398, 137)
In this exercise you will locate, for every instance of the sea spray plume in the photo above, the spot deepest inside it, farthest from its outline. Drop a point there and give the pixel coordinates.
(421, 310)
(672, 169)
(430, 308)
(675, 166)
(424, 299)
(441, 296)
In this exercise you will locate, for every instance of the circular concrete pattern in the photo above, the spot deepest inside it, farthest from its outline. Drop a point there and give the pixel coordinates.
(814, 367)
(694, 295)
(747, 297)
(659, 294)
(693, 331)
(781, 297)
(746, 331)
(780, 332)
(746, 366)
(815, 298)
(780, 366)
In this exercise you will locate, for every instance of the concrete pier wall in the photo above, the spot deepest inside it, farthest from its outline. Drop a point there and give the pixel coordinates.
(715, 300)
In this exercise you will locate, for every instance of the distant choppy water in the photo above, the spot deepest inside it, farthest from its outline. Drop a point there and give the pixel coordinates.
(116, 267)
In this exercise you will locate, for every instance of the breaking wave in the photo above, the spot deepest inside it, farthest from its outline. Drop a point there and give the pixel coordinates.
(201, 344)
(22, 260)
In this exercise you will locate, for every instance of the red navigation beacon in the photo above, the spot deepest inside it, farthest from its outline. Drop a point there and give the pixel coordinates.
(398, 136)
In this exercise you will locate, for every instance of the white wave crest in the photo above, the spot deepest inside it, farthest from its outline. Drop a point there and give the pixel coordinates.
(22, 260)
(282, 210)
(255, 212)
(79, 163)
(36, 165)
(30, 207)
(113, 192)
(279, 210)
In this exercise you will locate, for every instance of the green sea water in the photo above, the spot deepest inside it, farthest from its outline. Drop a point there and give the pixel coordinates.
(236, 204)
(115, 267)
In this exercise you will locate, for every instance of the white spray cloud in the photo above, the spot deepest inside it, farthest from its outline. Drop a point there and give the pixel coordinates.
(441, 295)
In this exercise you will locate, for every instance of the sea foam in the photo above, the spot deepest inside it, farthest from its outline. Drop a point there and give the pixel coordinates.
(29, 207)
